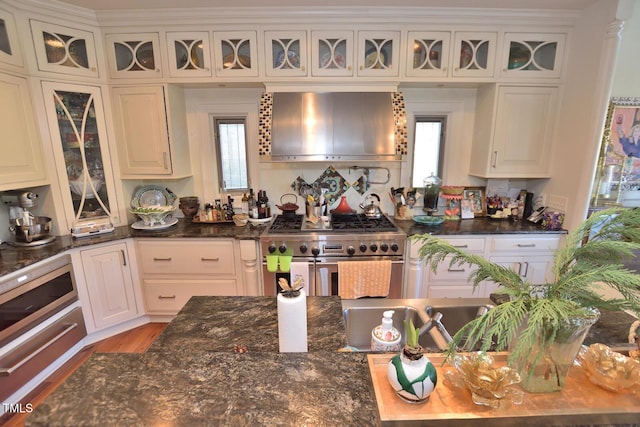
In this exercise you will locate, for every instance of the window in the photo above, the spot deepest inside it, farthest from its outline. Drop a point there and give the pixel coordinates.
(428, 148)
(232, 154)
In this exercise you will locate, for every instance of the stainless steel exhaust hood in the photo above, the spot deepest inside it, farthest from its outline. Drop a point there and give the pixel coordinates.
(333, 126)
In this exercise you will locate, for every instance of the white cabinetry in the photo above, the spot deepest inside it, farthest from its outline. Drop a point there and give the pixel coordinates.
(134, 56)
(235, 53)
(285, 53)
(378, 53)
(10, 52)
(531, 255)
(64, 50)
(532, 55)
(151, 131)
(474, 54)
(174, 270)
(514, 129)
(428, 53)
(332, 53)
(189, 54)
(21, 164)
(111, 292)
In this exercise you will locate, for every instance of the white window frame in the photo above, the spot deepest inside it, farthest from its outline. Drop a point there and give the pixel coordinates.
(442, 119)
(216, 141)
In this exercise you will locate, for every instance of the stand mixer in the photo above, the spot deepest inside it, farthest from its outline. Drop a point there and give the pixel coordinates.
(28, 229)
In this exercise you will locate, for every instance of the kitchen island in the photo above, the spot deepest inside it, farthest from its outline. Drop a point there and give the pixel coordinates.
(217, 363)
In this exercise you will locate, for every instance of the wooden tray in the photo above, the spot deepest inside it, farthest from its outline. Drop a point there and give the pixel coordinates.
(580, 402)
(196, 220)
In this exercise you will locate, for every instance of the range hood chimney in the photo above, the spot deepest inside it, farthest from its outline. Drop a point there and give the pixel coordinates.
(334, 126)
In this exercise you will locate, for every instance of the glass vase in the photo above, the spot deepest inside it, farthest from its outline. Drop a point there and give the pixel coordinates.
(544, 368)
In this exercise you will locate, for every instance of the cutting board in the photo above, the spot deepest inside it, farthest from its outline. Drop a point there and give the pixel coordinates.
(580, 402)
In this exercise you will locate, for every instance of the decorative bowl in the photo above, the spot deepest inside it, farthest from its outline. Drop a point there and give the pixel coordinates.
(189, 211)
(452, 190)
(153, 215)
(489, 385)
(77, 186)
(608, 369)
(241, 219)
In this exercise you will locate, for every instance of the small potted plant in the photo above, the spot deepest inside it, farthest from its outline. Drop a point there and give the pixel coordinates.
(411, 374)
(543, 324)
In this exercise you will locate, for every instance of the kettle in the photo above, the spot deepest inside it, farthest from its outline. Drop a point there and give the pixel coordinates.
(372, 210)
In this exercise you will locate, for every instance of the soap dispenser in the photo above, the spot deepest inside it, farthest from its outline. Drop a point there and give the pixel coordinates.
(385, 337)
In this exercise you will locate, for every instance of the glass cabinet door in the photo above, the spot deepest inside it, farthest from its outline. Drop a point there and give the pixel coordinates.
(189, 54)
(428, 53)
(134, 55)
(9, 51)
(78, 127)
(235, 53)
(474, 54)
(286, 53)
(332, 53)
(533, 55)
(378, 53)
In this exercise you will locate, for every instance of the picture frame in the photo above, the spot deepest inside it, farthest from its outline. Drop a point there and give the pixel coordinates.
(476, 198)
(619, 161)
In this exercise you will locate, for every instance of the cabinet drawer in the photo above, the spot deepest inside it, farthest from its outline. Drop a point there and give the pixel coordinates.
(468, 244)
(454, 291)
(193, 257)
(167, 296)
(450, 273)
(524, 245)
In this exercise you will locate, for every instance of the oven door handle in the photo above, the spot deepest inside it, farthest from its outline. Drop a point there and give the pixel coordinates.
(5, 372)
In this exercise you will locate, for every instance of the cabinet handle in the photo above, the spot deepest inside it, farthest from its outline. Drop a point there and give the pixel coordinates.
(164, 160)
(526, 245)
(166, 297)
(124, 258)
(495, 158)
(526, 269)
(456, 270)
(5, 372)
(460, 246)
(519, 268)
(162, 259)
(210, 259)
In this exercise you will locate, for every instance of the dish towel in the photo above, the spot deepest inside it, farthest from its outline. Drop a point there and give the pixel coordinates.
(357, 279)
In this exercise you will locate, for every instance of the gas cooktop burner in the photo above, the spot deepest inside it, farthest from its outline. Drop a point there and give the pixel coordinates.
(355, 223)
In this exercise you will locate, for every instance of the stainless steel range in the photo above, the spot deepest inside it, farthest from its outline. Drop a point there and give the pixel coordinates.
(346, 238)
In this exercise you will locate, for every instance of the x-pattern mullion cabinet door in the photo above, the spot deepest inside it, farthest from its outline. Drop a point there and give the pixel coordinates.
(235, 53)
(134, 55)
(332, 53)
(286, 53)
(10, 52)
(189, 54)
(474, 54)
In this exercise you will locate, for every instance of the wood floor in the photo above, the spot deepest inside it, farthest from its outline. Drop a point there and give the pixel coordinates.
(134, 341)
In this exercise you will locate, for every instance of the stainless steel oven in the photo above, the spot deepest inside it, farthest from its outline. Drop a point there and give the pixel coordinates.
(322, 250)
(36, 327)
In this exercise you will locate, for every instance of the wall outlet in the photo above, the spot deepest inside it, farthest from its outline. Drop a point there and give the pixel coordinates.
(557, 203)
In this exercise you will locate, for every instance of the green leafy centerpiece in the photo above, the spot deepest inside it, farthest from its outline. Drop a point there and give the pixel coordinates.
(410, 373)
(544, 324)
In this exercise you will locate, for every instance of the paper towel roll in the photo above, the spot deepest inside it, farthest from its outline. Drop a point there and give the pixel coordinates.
(292, 323)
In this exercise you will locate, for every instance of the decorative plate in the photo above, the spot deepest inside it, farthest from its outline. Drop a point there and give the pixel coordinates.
(140, 225)
(361, 185)
(374, 60)
(293, 61)
(334, 183)
(260, 220)
(335, 61)
(428, 219)
(152, 195)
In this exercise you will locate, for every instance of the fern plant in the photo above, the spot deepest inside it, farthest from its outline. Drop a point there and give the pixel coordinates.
(592, 256)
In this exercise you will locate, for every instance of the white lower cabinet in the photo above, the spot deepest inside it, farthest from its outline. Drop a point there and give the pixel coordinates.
(174, 270)
(109, 284)
(530, 255)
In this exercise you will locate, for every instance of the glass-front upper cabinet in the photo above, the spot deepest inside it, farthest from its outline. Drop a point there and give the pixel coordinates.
(533, 55)
(9, 46)
(76, 122)
(286, 53)
(134, 55)
(428, 53)
(189, 54)
(64, 50)
(332, 53)
(235, 53)
(378, 53)
(474, 54)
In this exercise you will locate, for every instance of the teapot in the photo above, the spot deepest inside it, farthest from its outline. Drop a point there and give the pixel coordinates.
(372, 210)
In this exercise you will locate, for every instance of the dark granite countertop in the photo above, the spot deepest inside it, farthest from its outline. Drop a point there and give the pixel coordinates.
(14, 258)
(217, 324)
(475, 226)
(192, 376)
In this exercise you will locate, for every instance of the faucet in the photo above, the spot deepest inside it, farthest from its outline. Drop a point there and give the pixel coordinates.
(436, 329)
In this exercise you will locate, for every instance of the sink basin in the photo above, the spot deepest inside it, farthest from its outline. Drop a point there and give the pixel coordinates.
(361, 316)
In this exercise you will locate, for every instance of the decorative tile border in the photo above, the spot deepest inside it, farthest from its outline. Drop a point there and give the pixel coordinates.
(400, 120)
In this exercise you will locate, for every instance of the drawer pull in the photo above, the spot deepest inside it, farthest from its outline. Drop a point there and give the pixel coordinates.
(166, 297)
(461, 246)
(456, 270)
(5, 372)
(527, 245)
(526, 269)
(162, 259)
(210, 259)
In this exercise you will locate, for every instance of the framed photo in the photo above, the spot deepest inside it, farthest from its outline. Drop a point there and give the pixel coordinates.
(475, 198)
(619, 161)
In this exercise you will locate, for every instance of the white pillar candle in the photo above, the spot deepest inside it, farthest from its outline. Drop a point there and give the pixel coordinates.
(292, 323)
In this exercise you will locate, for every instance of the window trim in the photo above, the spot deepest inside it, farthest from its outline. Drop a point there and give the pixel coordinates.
(443, 133)
(216, 120)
